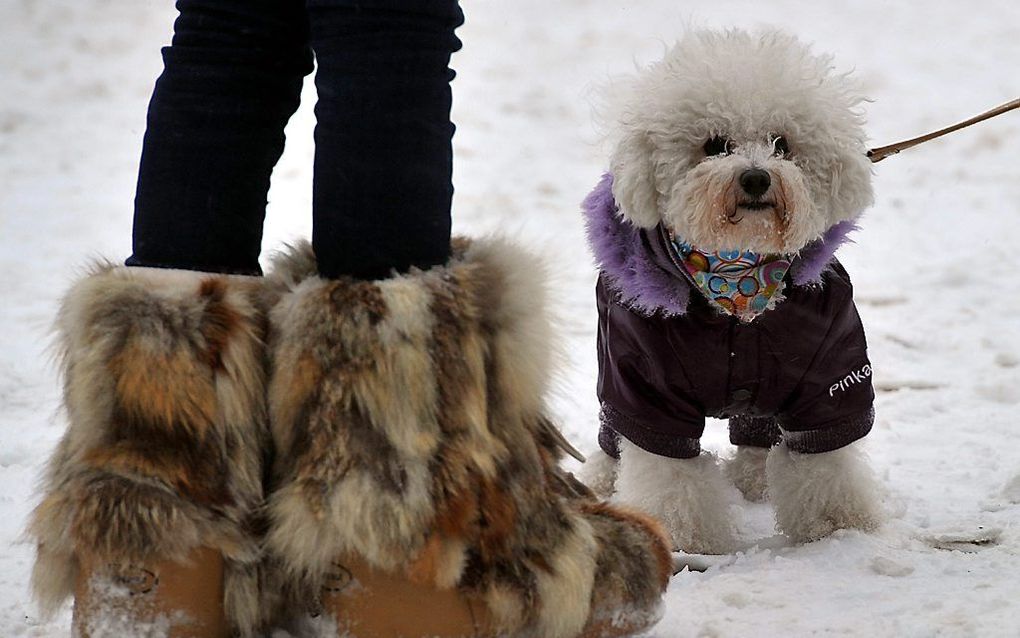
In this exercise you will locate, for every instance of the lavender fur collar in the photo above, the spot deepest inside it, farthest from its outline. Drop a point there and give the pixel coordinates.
(631, 258)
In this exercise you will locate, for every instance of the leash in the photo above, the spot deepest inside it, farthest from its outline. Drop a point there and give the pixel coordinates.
(882, 152)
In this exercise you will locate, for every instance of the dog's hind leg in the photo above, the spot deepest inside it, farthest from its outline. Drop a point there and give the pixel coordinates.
(690, 496)
(753, 437)
(746, 470)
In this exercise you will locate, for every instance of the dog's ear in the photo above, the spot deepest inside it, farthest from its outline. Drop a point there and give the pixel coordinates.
(634, 179)
(850, 185)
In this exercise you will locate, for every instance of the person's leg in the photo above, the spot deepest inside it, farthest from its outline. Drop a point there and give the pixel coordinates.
(151, 497)
(383, 157)
(232, 78)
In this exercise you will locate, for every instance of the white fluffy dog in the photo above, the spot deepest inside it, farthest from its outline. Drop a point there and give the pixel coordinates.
(738, 167)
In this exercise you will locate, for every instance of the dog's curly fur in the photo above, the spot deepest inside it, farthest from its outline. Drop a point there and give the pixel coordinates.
(816, 494)
(657, 485)
(164, 388)
(749, 89)
(746, 470)
(410, 428)
(683, 131)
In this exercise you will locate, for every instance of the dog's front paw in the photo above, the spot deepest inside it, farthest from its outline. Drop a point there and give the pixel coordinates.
(599, 474)
(816, 494)
(747, 471)
(690, 496)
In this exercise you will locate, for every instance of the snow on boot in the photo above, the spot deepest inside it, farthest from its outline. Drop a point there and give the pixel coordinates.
(415, 463)
(151, 494)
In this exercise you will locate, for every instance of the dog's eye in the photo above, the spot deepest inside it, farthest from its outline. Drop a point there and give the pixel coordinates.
(718, 146)
(780, 146)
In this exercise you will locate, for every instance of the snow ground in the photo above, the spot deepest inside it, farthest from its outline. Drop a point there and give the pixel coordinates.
(944, 331)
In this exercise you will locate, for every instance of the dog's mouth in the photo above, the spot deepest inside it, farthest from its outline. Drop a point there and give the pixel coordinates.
(755, 205)
(748, 205)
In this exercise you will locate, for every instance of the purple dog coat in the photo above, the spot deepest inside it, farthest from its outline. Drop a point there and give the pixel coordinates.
(667, 359)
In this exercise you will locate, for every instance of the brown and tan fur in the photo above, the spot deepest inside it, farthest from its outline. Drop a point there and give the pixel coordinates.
(164, 389)
(409, 421)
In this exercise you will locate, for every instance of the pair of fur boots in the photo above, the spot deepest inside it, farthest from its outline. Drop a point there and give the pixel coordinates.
(245, 453)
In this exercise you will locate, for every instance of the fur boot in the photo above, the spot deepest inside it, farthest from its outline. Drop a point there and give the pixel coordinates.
(159, 473)
(412, 439)
(816, 494)
(691, 496)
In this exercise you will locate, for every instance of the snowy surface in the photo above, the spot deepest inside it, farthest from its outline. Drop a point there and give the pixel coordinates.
(935, 269)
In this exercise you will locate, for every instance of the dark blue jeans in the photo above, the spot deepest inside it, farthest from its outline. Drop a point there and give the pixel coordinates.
(383, 159)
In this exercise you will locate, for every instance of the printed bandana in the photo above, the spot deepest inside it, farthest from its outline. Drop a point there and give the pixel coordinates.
(742, 284)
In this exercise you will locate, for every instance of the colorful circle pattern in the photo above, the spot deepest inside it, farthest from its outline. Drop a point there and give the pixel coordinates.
(738, 283)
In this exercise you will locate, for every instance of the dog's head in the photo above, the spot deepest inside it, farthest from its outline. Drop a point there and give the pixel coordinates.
(739, 141)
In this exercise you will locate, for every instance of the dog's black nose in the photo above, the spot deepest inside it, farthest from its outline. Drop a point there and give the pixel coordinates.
(755, 181)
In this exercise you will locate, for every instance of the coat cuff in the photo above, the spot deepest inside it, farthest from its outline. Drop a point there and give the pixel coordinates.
(831, 436)
(615, 424)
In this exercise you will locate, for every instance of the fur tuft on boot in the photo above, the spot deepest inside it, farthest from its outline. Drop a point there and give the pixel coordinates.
(410, 427)
(164, 389)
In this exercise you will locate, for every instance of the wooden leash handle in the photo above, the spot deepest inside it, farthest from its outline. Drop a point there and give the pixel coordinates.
(882, 152)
